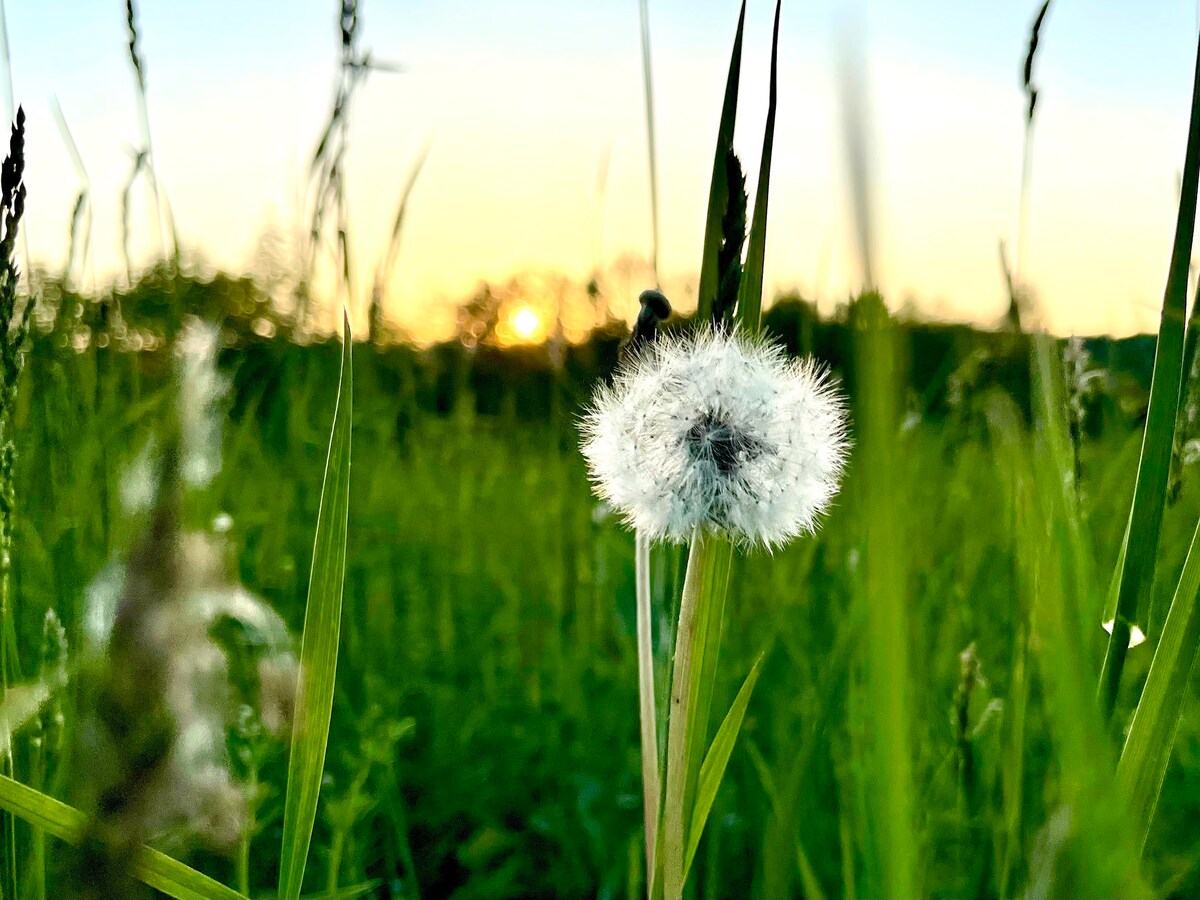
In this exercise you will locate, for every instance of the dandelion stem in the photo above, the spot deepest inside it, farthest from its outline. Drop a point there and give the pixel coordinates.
(675, 818)
(649, 718)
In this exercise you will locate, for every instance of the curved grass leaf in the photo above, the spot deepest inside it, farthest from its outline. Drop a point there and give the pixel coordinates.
(1150, 492)
(715, 761)
(718, 193)
(749, 307)
(319, 645)
(67, 823)
(1147, 749)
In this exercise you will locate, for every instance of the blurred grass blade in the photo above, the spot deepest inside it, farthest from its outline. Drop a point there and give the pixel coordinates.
(348, 893)
(66, 823)
(856, 139)
(884, 593)
(808, 876)
(1151, 736)
(648, 85)
(384, 273)
(715, 761)
(749, 307)
(1150, 492)
(718, 193)
(319, 645)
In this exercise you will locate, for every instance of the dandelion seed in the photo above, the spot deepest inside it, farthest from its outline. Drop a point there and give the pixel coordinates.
(718, 432)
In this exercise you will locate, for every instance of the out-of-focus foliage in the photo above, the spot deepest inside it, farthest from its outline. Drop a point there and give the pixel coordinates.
(484, 734)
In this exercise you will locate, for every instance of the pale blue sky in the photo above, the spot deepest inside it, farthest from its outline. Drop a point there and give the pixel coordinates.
(522, 99)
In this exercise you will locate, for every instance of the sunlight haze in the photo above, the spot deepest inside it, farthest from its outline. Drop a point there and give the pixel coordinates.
(534, 118)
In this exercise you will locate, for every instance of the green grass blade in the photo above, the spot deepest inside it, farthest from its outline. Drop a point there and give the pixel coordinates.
(701, 610)
(66, 823)
(749, 308)
(1154, 467)
(1151, 735)
(319, 645)
(718, 193)
(174, 879)
(808, 876)
(706, 650)
(715, 761)
(350, 892)
(884, 593)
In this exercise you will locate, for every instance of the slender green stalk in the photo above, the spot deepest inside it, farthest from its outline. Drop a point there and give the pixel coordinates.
(1151, 736)
(246, 838)
(1150, 492)
(13, 330)
(649, 719)
(337, 845)
(886, 599)
(675, 818)
(650, 149)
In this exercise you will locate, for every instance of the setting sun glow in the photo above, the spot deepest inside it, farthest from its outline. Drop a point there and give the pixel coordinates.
(526, 324)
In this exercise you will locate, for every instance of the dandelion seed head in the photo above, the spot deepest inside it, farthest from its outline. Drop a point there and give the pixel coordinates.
(717, 431)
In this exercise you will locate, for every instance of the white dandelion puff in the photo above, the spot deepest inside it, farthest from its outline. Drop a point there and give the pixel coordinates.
(720, 432)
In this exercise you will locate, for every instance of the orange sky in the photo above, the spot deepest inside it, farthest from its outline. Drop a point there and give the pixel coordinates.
(519, 109)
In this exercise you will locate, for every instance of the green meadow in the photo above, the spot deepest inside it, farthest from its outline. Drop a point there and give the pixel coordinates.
(484, 732)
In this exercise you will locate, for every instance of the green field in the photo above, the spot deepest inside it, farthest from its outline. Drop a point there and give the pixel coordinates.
(484, 739)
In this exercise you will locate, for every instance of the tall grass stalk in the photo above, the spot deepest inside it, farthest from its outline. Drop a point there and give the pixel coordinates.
(652, 155)
(14, 327)
(327, 169)
(162, 213)
(1041, 347)
(81, 212)
(884, 589)
(884, 592)
(646, 695)
(383, 275)
(1150, 491)
(7, 56)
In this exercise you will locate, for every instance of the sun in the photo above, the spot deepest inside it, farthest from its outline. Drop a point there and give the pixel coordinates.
(526, 323)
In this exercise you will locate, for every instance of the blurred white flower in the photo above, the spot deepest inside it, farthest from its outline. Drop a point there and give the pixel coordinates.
(140, 480)
(201, 387)
(720, 432)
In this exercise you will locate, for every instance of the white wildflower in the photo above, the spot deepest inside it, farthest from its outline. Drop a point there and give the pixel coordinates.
(201, 387)
(720, 432)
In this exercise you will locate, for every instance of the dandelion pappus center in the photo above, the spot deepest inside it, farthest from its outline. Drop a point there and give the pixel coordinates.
(711, 438)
